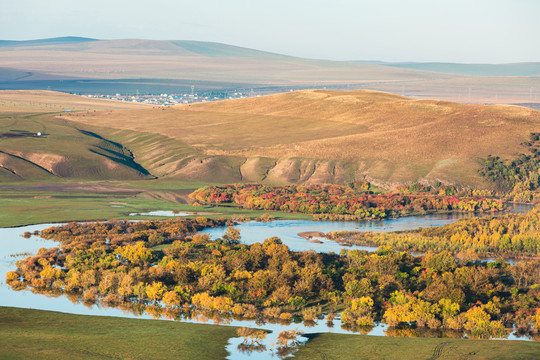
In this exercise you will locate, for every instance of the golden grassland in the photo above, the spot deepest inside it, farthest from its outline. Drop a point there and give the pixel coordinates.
(310, 136)
(19, 101)
(332, 135)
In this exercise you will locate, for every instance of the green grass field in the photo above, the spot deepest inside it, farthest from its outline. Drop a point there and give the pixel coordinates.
(33, 205)
(27, 333)
(33, 334)
(338, 346)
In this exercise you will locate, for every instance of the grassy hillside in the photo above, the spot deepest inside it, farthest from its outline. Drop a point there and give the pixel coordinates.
(37, 147)
(311, 136)
(325, 136)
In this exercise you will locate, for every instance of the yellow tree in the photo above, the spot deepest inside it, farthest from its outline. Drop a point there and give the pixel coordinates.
(171, 298)
(232, 235)
(155, 291)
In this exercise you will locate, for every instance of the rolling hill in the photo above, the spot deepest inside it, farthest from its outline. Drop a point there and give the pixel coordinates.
(194, 60)
(35, 146)
(47, 101)
(82, 65)
(317, 136)
(49, 41)
(516, 69)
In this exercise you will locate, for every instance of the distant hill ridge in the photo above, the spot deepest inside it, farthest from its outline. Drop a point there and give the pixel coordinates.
(216, 49)
(510, 69)
(48, 41)
(181, 59)
(84, 65)
(204, 48)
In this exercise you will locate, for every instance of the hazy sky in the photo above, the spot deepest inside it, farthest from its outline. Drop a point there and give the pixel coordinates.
(475, 31)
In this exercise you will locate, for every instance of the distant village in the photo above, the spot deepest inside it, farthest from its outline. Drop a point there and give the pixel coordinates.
(175, 99)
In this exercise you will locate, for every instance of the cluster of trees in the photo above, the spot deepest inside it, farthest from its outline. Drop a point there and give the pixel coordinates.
(344, 202)
(519, 178)
(512, 235)
(168, 265)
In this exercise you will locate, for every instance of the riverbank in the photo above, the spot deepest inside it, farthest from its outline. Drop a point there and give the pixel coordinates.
(62, 302)
(268, 288)
(36, 203)
(27, 333)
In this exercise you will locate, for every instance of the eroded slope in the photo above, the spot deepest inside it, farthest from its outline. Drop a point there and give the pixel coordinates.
(325, 136)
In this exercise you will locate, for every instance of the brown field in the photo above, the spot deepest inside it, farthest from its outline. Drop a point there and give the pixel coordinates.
(327, 136)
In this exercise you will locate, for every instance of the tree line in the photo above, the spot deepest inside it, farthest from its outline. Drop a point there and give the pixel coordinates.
(336, 202)
(518, 179)
(168, 264)
(511, 235)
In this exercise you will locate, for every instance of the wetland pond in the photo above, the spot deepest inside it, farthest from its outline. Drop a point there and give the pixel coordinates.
(14, 247)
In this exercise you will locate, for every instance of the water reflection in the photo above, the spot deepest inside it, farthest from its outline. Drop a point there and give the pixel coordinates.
(288, 230)
(11, 242)
(328, 324)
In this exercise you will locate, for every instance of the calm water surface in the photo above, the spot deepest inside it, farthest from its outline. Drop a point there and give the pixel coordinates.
(287, 230)
(14, 247)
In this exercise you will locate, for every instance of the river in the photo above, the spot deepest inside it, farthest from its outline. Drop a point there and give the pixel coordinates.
(14, 247)
(288, 230)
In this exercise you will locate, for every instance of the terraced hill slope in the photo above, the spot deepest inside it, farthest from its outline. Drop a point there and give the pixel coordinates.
(323, 136)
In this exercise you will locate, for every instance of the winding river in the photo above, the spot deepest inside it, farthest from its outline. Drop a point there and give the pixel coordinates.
(14, 247)
(288, 230)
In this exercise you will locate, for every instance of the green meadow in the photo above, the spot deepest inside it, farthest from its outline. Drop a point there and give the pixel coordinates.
(33, 334)
(339, 346)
